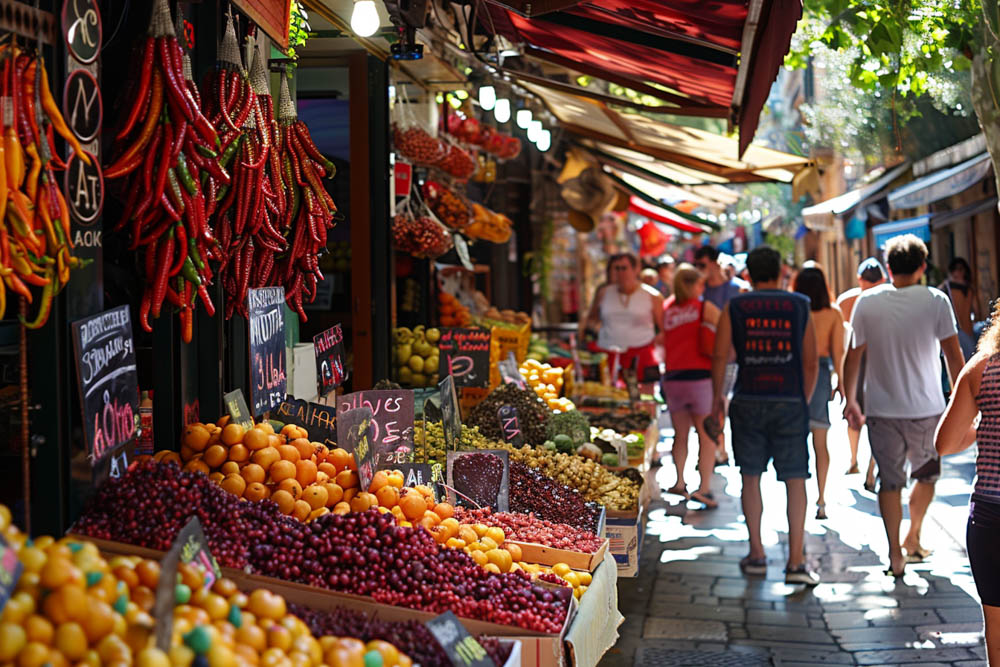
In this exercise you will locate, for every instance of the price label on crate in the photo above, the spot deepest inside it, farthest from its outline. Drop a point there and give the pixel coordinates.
(465, 355)
(354, 433)
(329, 349)
(510, 426)
(266, 310)
(461, 647)
(236, 406)
(319, 420)
(392, 421)
(190, 546)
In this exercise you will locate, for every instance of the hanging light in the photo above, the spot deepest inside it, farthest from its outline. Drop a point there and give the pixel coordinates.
(534, 130)
(502, 110)
(523, 118)
(364, 19)
(544, 140)
(487, 97)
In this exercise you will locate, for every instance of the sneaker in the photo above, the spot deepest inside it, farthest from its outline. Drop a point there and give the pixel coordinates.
(801, 575)
(753, 566)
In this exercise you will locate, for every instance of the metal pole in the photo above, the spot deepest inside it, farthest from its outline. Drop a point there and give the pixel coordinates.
(22, 308)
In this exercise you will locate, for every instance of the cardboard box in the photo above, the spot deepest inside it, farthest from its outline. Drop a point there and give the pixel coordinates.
(543, 555)
(625, 533)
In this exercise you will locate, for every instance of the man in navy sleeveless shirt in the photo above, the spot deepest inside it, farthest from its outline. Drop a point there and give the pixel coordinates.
(775, 344)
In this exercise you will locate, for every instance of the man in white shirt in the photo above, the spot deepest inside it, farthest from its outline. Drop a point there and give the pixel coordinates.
(904, 326)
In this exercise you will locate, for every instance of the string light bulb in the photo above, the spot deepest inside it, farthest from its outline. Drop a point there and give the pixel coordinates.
(534, 130)
(364, 19)
(502, 110)
(487, 97)
(523, 118)
(544, 140)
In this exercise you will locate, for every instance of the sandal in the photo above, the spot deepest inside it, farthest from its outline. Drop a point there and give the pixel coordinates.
(918, 555)
(853, 470)
(895, 575)
(754, 566)
(678, 490)
(706, 499)
(821, 511)
(870, 486)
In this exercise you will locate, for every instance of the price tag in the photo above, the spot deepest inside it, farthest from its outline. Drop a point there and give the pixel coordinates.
(190, 546)
(414, 474)
(509, 425)
(509, 371)
(236, 406)
(451, 420)
(465, 355)
(10, 571)
(462, 250)
(482, 477)
(354, 433)
(392, 421)
(266, 310)
(319, 420)
(329, 349)
(461, 647)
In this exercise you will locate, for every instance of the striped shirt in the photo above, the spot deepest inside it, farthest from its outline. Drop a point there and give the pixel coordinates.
(988, 434)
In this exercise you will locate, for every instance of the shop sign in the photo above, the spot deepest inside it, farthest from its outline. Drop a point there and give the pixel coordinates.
(268, 380)
(236, 406)
(10, 571)
(509, 371)
(271, 16)
(106, 377)
(190, 547)
(81, 24)
(84, 186)
(509, 425)
(451, 418)
(392, 421)
(461, 647)
(83, 107)
(319, 420)
(329, 349)
(480, 479)
(465, 355)
(402, 178)
(354, 433)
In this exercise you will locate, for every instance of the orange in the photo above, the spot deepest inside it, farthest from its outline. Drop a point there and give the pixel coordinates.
(256, 491)
(239, 453)
(252, 635)
(253, 473)
(289, 453)
(424, 490)
(514, 550)
(316, 495)
(305, 472)
(292, 486)
(149, 573)
(232, 433)
(254, 439)
(397, 512)
(450, 525)
(396, 479)
(359, 503)
(216, 477)
(230, 468)
(444, 510)
(144, 597)
(234, 484)
(321, 477)
(467, 534)
(215, 456)
(39, 629)
(57, 572)
(432, 517)
(66, 603)
(279, 637)
(187, 453)
(379, 480)
(281, 470)
(427, 522)
(301, 510)
(35, 654)
(306, 448)
(480, 557)
(99, 621)
(334, 494)
(196, 436)
(289, 430)
(496, 534)
(350, 493)
(348, 479)
(327, 468)
(341, 508)
(413, 506)
(320, 451)
(341, 458)
(491, 567)
(317, 513)
(274, 441)
(168, 457)
(388, 496)
(266, 457)
(454, 543)
(197, 465)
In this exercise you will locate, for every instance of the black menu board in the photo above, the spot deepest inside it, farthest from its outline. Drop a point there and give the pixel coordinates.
(465, 355)
(266, 309)
(354, 433)
(392, 421)
(330, 355)
(319, 420)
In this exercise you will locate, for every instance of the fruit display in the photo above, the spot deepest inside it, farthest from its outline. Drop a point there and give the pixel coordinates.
(533, 493)
(635, 442)
(420, 236)
(303, 478)
(450, 208)
(362, 553)
(71, 606)
(621, 422)
(563, 575)
(547, 381)
(451, 311)
(416, 355)
(430, 435)
(457, 163)
(488, 225)
(528, 528)
(491, 140)
(513, 318)
(418, 146)
(600, 390)
(572, 425)
(478, 476)
(538, 349)
(532, 413)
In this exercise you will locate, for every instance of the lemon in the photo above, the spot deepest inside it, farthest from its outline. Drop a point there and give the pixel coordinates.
(416, 364)
(560, 569)
(12, 639)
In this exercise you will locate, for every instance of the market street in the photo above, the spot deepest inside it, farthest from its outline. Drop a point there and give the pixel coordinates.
(690, 605)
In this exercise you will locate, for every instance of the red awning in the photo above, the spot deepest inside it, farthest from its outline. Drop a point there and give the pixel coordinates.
(657, 214)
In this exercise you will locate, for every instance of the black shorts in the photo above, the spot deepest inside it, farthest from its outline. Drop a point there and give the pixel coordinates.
(982, 538)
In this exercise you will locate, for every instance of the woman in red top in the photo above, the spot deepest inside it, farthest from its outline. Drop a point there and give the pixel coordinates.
(688, 338)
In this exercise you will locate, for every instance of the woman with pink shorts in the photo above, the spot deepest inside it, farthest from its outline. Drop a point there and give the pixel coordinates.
(688, 338)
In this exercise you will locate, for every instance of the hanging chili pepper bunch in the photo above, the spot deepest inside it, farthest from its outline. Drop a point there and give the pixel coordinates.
(309, 208)
(35, 240)
(162, 150)
(250, 208)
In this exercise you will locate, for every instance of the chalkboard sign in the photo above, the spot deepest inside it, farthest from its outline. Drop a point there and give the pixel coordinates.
(107, 380)
(354, 433)
(480, 479)
(190, 546)
(81, 25)
(465, 355)
(319, 420)
(10, 571)
(236, 406)
(329, 349)
(451, 419)
(84, 185)
(509, 372)
(462, 648)
(392, 421)
(266, 308)
(115, 464)
(510, 426)
(414, 474)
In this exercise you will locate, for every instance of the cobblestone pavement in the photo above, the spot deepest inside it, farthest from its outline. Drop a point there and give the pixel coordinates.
(690, 605)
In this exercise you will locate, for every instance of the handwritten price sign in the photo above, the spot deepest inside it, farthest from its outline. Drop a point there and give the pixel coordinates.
(465, 355)
(268, 379)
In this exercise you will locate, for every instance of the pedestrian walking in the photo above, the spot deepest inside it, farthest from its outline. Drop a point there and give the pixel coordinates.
(689, 340)
(978, 391)
(829, 325)
(719, 289)
(665, 272)
(774, 339)
(962, 294)
(904, 326)
(871, 273)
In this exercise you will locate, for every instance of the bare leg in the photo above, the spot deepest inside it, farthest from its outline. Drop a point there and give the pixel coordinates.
(822, 462)
(706, 455)
(992, 615)
(679, 451)
(891, 506)
(870, 474)
(920, 500)
(753, 507)
(796, 490)
(853, 438)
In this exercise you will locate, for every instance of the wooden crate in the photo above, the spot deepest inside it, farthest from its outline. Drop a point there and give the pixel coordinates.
(543, 555)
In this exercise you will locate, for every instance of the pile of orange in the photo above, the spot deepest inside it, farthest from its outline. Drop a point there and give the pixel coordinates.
(451, 312)
(72, 607)
(305, 479)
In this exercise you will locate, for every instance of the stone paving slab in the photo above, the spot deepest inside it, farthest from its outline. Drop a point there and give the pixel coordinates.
(663, 628)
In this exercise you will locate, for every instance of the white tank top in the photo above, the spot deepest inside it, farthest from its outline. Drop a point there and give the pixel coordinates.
(626, 320)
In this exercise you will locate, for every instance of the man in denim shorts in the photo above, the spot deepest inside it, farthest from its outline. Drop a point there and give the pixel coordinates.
(904, 327)
(772, 333)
